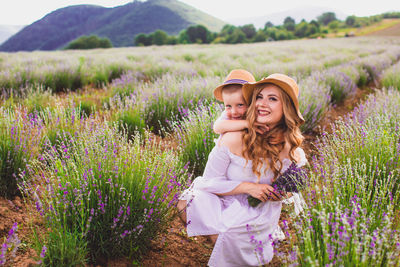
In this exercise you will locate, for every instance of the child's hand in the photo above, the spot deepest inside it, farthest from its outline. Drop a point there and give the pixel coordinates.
(261, 128)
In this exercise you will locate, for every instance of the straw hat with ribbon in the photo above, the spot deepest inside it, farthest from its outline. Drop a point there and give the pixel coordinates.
(237, 76)
(283, 81)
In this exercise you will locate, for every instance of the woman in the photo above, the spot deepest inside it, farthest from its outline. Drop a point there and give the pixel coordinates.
(246, 163)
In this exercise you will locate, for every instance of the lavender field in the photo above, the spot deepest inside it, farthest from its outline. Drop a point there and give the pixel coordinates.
(100, 143)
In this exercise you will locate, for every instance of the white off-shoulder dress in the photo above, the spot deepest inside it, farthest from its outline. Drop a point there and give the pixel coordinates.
(244, 232)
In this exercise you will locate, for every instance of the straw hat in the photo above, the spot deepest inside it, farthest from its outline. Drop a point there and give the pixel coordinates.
(236, 76)
(283, 81)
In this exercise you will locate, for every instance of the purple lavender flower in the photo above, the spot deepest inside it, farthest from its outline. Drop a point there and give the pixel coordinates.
(292, 180)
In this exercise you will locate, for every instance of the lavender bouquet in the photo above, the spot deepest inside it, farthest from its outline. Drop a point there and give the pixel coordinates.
(292, 180)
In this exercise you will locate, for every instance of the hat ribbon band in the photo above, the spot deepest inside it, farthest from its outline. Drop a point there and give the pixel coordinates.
(236, 81)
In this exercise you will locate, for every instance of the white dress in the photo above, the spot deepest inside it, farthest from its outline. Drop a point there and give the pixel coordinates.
(244, 232)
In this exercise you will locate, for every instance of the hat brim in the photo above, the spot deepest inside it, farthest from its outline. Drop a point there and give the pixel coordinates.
(248, 89)
(218, 90)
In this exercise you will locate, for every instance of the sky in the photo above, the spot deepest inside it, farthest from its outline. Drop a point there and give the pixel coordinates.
(23, 12)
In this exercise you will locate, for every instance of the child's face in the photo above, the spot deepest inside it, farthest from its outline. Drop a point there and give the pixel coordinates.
(235, 106)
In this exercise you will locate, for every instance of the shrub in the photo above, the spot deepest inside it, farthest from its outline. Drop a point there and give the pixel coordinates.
(114, 193)
(89, 42)
(340, 85)
(391, 77)
(19, 136)
(348, 219)
(172, 100)
(196, 136)
(314, 101)
(61, 248)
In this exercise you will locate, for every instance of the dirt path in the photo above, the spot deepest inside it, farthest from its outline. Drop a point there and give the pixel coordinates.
(171, 248)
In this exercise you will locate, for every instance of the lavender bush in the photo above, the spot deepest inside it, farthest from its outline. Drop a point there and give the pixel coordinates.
(112, 193)
(337, 235)
(172, 99)
(19, 136)
(340, 85)
(195, 136)
(10, 246)
(353, 195)
(391, 77)
(314, 100)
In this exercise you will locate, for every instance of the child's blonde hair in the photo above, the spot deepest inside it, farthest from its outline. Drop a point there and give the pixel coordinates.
(231, 88)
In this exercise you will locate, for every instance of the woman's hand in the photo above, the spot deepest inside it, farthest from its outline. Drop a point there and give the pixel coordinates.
(264, 192)
(261, 128)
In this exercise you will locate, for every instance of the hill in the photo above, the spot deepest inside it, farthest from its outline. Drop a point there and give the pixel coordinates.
(119, 24)
(6, 31)
(392, 30)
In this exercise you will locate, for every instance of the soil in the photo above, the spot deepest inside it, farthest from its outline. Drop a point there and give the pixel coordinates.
(391, 31)
(15, 211)
(172, 247)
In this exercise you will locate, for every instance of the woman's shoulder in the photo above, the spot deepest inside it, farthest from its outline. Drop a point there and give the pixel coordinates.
(298, 154)
(232, 141)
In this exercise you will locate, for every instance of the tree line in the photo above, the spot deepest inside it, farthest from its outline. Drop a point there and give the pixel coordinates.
(230, 34)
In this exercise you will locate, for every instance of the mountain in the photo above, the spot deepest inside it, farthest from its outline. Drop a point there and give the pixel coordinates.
(306, 12)
(6, 31)
(120, 24)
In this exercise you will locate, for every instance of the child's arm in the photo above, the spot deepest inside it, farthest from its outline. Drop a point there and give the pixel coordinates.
(223, 126)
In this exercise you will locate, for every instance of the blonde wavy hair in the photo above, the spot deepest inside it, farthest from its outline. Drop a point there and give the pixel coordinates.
(266, 148)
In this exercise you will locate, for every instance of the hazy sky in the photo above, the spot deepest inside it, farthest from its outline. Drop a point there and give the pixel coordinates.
(21, 12)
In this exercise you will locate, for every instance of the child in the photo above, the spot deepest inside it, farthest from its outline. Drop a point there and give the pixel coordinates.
(230, 92)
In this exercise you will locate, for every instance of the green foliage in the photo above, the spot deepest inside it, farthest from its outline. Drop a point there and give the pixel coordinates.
(391, 77)
(249, 30)
(143, 40)
(289, 24)
(60, 120)
(350, 20)
(131, 121)
(260, 36)
(89, 42)
(115, 194)
(198, 34)
(196, 137)
(334, 25)
(86, 107)
(37, 100)
(391, 15)
(301, 30)
(231, 34)
(159, 37)
(326, 18)
(18, 138)
(349, 219)
(61, 248)
(267, 25)
(340, 85)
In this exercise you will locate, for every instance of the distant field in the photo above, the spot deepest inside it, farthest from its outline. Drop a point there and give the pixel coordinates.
(389, 31)
(386, 27)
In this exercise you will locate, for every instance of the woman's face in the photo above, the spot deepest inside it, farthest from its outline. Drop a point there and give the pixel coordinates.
(269, 108)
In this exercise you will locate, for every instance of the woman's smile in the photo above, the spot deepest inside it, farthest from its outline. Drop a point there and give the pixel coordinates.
(269, 106)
